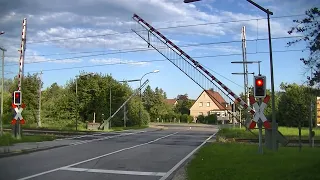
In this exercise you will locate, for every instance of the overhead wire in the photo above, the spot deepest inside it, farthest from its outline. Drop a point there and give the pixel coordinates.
(161, 60)
(102, 54)
(148, 49)
(170, 27)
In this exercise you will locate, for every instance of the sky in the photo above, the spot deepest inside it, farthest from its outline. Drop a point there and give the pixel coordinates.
(65, 38)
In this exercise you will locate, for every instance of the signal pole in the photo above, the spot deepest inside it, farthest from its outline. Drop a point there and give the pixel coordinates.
(22, 50)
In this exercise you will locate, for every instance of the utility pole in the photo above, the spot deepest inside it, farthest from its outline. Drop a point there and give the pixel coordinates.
(2, 91)
(245, 70)
(39, 110)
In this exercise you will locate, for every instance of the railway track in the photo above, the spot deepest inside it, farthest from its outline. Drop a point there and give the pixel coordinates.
(291, 141)
(53, 132)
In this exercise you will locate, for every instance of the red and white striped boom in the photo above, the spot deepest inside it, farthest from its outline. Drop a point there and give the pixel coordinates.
(195, 63)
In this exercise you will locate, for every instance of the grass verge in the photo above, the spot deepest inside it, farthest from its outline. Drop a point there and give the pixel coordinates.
(289, 132)
(7, 139)
(241, 161)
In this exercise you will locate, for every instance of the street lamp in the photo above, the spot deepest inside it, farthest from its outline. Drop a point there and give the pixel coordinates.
(1, 32)
(274, 123)
(155, 71)
(2, 89)
(77, 96)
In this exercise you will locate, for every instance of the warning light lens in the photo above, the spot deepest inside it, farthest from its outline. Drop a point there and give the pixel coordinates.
(17, 95)
(259, 82)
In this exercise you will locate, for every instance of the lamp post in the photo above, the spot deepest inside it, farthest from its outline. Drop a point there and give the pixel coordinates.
(2, 89)
(274, 123)
(124, 117)
(155, 71)
(78, 76)
(1, 32)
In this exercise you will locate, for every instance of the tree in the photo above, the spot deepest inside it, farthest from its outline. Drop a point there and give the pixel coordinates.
(184, 104)
(294, 105)
(310, 28)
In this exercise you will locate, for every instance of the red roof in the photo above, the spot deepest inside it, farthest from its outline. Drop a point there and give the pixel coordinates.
(218, 100)
(170, 101)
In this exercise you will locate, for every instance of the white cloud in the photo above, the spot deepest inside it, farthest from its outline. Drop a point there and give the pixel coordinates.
(117, 61)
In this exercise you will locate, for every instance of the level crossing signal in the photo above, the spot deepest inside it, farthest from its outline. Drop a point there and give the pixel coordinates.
(17, 98)
(259, 87)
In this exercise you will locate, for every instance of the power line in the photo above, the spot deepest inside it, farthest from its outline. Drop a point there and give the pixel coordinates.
(161, 60)
(172, 27)
(148, 49)
(102, 54)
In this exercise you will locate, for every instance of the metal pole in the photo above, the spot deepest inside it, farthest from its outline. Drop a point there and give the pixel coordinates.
(311, 107)
(77, 104)
(2, 91)
(140, 103)
(274, 123)
(39, 115)
(110, 106)
(260, 131)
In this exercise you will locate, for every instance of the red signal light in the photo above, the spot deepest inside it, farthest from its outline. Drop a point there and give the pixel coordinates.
(259, 82)
(17, 95)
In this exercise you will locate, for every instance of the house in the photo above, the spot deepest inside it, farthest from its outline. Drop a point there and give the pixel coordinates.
(171, 102)
(210, 102)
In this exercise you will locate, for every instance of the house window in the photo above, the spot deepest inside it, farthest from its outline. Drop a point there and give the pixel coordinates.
(200, 104)
(200, 113)
(208, 104)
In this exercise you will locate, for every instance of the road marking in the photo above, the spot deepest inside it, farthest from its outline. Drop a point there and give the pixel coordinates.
(138, 173)
(104, 138)
(185, 158)
(104, 155)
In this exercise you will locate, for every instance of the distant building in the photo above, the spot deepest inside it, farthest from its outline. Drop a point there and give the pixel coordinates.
(210, 102)
(171, 102)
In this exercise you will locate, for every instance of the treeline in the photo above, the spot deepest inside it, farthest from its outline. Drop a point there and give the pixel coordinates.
(61, 105)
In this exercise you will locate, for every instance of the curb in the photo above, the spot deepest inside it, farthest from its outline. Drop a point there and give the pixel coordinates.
(27, 151)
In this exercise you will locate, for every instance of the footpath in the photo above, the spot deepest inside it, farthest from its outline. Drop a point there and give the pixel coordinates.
(28, 147)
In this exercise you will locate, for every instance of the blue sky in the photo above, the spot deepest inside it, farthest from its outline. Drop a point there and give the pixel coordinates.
(100, 54)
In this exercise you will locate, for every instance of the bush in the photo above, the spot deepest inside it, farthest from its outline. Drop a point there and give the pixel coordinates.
(184, 118)
(190, 119)
(201, 119)
(211, 119)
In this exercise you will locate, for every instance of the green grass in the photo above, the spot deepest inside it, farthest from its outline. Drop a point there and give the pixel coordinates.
(234, 161)
(7, 139)
(288, 132)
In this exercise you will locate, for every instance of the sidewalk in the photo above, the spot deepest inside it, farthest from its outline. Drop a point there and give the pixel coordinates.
(34, 146)
(25, 147)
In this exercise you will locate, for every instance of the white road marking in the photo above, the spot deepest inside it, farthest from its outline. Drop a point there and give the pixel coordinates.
(185, 158)
(104, 138)
(104, 155)
(138, 173)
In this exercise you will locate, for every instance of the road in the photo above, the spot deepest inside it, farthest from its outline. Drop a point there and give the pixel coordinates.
(145, 155)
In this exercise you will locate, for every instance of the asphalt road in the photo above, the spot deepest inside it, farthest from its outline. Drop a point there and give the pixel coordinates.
(150, 154)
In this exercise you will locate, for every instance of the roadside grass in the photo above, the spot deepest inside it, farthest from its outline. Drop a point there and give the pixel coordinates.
(241, 161)
(81, 128)
(291, 133)
(7, 139)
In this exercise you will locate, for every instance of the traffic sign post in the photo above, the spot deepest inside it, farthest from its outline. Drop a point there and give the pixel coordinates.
(259, 117)
(259, 109)
(17, 119)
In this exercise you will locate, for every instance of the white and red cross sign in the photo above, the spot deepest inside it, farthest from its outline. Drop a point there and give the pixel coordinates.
(18, 115)
(259, 109)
